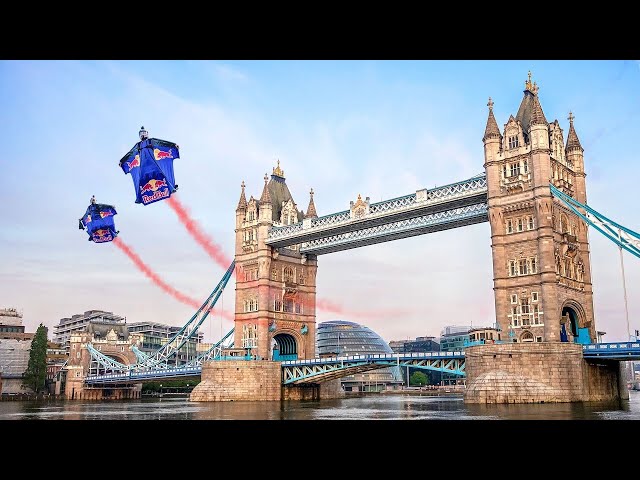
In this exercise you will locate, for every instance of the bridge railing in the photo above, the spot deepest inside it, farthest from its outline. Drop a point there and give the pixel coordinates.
(375, 357)
(609, 347)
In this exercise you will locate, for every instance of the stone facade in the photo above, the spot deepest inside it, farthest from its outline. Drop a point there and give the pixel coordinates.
(275, 288)
(79, 365)
(235, 380)
(541, 267)
(548, 372)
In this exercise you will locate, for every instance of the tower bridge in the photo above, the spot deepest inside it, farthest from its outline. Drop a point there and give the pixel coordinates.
(533, 194)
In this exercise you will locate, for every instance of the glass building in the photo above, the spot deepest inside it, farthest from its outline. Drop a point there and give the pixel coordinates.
(339, 337)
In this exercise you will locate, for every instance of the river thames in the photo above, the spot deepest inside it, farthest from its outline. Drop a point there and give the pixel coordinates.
(370, 407)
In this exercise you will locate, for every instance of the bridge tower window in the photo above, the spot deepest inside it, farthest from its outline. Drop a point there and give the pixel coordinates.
(288, 306)
(249, 336)
(509, 226)
(524, 310)
(287, 274)
(277, 304)
(514, 169)
(523, 267)
(513, 142)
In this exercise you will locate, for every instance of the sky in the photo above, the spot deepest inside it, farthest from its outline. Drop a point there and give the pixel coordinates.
(381, 129)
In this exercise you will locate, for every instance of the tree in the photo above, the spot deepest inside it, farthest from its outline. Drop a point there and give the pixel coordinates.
(418, 378)
(36, 372)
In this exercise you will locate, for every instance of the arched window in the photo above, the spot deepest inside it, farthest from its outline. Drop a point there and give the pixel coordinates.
(274, 274)
(287, 274)
(526, 337)
(301, 276)
(564, 224)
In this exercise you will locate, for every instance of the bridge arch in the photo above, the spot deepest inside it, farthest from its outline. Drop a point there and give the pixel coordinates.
(288, 343)
(117, 357)
(572, 319)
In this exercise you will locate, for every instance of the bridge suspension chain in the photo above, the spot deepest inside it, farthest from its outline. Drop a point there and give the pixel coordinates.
(180, 338)
(618, 234)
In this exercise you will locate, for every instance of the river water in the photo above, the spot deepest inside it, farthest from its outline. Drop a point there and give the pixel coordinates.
(369, 407)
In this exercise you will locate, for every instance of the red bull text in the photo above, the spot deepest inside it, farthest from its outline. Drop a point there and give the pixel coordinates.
(154, 186)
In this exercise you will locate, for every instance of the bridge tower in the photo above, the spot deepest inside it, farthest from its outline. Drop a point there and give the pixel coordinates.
(541, 266)
(275, 287)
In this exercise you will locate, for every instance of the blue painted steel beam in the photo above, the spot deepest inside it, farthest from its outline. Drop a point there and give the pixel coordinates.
(623, 351)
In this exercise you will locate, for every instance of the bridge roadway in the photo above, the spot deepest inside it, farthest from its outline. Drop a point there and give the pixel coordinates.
(322, 369)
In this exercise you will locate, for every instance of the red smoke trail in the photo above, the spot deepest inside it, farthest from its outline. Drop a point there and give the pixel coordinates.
(328, 306)
(214, 251)
(155, 278)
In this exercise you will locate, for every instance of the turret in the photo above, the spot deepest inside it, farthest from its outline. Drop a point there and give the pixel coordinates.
(266, 207)
(492, 143)
(311, 210)
(575, 156)
(538, 126)
(492, 137)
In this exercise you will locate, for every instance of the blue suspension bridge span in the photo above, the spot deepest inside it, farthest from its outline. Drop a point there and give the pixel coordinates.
(426, 211)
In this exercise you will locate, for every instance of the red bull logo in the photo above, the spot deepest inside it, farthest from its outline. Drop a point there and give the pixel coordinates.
(153, 186)
(105, 214)
(159, 154)
(102, 235)
(134, 163)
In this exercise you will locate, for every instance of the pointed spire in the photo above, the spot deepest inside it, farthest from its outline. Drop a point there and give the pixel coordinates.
(266, 197)
(537, 115)
(491, 130)
(572, 138)
(311, 210)
(242, 203)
